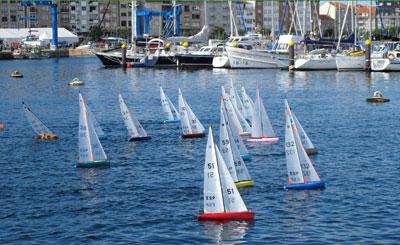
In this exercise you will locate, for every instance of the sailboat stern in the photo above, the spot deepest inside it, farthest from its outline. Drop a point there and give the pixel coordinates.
(193, 136)
(311, 151)
(246, 157)
(305, 186)
(47, 137)
(139, 138)
(245, 184)
(94, 164)
(226, 216)
(269, 140)
(172, 121)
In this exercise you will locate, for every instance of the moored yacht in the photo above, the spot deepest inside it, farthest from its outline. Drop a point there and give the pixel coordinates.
(318, 59)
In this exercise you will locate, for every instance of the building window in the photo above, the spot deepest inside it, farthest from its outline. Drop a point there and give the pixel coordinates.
(123, 23)
(195, 16)
(187, 8)
(4, 19)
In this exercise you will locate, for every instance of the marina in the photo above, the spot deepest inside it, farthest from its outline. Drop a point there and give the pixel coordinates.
(179, 122)
(151, 193)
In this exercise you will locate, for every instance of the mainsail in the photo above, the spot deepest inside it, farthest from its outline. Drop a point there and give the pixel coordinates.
(90, 148)
(135, 129)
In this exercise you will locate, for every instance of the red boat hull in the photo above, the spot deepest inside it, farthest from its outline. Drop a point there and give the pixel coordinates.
(226, 216)
(193, 136)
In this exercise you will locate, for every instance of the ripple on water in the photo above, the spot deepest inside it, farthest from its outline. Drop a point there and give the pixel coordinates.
(152, 192)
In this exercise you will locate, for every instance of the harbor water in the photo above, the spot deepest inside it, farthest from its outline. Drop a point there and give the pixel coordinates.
(152, 192)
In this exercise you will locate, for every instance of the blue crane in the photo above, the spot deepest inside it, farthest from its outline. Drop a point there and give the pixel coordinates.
(54, 23)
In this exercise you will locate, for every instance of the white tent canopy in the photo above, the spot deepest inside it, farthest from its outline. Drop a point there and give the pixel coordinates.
(10, 36)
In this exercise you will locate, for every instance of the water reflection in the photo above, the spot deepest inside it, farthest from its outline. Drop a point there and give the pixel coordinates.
(232, 232)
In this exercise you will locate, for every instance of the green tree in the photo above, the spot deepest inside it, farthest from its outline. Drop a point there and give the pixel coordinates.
(218, 32)
(95, 33)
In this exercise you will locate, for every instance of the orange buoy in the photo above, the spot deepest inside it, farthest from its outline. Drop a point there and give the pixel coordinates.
(1, 127)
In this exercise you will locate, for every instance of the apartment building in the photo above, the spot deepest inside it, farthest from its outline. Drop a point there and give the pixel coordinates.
(13, 15)
(390, 13)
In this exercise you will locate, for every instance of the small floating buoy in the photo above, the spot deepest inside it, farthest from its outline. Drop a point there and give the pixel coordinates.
(17, 74)
(1, 127)
(377, 98)
(76, 82)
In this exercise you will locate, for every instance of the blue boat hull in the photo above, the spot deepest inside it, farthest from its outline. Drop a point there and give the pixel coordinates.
(172, 121)
(95, 164)
(305, 186)
(246, 157)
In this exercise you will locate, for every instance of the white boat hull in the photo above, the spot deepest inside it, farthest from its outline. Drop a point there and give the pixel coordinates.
(221, 62)
(315, 64)
(350, 63)
(243, 58)
(385, 64)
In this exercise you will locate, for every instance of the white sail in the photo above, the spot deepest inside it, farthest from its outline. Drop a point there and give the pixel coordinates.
(227, 141)
(225, 146)
(183, 112)
(165, 105)
(90, 148)
(235, 134)
(295, 175)
(245, 125)
(248, 104)
(235, 122)
(96, 125)
(261, 125)
(175, 111)
(212, 191)
(256, 125)
(189, 122)
(233, 202)
(235, 98)
(135, 129)
(305, 140)
(37, 125)
(307, 167)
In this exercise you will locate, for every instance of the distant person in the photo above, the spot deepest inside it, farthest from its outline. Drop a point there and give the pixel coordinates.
(385, 51)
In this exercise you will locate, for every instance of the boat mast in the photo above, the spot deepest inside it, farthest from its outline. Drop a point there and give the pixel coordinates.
(133, 21)
(273, 22)
(343, 24)
(370, 21)
(174, 14)
(304, 16)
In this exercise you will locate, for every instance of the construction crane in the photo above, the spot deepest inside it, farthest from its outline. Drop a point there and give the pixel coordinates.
(54, 23)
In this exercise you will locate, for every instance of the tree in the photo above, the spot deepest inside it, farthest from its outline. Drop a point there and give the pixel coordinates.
(218, 32)
(95, 33)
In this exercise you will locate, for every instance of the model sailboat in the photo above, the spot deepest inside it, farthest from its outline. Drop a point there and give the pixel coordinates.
(169, 109)
(262, 130)
(135, 130)
(222, 200)
(41, 130)
(91, 152)
(191, 126)
(300, 169)
(230, 152)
